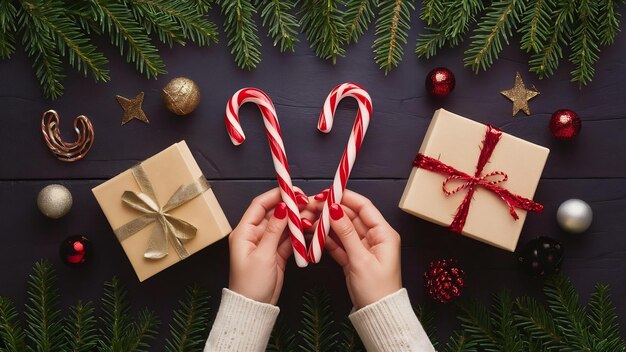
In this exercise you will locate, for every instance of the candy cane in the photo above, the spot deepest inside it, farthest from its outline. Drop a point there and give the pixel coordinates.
(258, 97)
(325, 124)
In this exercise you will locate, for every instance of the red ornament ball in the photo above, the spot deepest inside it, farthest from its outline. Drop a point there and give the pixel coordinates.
(444, 280)
(565, 124)
(440, 82)
(76, 251)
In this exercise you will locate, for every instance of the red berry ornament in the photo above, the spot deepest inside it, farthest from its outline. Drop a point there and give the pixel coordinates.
(76, 251)
(444, 280)
(440, 82)
(565, 124)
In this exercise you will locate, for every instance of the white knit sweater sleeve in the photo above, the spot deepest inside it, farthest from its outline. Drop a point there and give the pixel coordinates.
(391, 325)
(241, 324)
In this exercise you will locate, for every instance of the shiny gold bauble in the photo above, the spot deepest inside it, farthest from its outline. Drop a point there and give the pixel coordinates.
(54, 201)
(181, 96)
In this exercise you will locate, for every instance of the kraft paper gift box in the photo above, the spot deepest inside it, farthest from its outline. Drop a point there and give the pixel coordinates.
(455, 141)
(181, 200)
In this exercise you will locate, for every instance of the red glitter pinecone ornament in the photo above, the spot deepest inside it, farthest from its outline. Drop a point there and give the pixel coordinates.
(444, 280)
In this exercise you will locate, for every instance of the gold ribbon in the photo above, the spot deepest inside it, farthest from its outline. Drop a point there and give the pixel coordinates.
(168, 227)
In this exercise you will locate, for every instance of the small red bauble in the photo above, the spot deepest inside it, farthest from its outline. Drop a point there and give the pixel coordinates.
(76, 251)
(444, 280)
(440, 82)
(565, 124)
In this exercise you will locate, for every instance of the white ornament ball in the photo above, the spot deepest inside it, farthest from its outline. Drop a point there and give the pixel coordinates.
(54, 201)
(574, 216)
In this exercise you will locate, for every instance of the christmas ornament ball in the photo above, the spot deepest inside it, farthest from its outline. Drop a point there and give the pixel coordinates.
(54, 201)
(542, 256)
(444, 280)
(76, 251)
(440, 82)
(574, 216)
(565, 124)
(181, 96)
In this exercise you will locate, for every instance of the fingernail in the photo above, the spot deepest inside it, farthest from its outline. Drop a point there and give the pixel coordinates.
(302, 199)
(281, 210)
(306, 223)
(336, 212)
(322, 195)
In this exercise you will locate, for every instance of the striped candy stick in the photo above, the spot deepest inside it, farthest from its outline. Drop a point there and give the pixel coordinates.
(359, 129)
(258, 97)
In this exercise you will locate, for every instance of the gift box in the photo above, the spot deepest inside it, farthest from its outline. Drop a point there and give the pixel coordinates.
(474, 179)
(162, 210)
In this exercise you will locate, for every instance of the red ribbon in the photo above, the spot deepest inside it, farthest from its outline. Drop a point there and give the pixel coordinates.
(489, 181)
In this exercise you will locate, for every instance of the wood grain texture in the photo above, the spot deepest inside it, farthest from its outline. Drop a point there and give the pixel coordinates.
(592, 167)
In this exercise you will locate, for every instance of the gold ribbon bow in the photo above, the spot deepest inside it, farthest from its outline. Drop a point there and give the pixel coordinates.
(168, 227)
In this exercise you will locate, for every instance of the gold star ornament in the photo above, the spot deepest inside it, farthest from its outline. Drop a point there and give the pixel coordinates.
(520, 95)
(132, 108)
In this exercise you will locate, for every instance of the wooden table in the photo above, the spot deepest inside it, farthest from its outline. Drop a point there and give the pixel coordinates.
(592, 167)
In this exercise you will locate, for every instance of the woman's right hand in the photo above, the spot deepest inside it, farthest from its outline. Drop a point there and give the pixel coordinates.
(365, 246)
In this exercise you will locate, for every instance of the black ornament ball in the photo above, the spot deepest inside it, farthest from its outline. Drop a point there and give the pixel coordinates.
(440, 82)
(76, 251)
(542, 256)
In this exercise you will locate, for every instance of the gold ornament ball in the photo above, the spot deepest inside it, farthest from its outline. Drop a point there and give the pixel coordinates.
(181, 96)
(54, 201)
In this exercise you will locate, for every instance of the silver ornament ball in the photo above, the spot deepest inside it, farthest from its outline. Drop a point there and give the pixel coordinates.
(574, 216)
(54, 201)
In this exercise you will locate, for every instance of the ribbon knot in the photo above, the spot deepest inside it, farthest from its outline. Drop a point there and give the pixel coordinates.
(168, 228)
(488, 181)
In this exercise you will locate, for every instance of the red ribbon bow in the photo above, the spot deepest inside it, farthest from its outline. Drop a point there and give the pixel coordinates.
(492, 137)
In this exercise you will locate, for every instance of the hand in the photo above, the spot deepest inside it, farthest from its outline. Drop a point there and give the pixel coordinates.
(365, 246)
(260, 248)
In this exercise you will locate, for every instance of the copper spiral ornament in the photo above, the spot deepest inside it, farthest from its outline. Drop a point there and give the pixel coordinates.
(65, 151)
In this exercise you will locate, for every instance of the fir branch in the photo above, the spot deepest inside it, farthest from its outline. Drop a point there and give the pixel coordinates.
(117, 21)
(392, 28)
(282, 338)
(603, 321)
(477, 323)
(432, 11)
(358, 15)
(534, 320)
(498, 23)
(7, 28)
(459, 342)
(188, 331)
(350, 341)
(322, 23)
(282, 25)
(608, 20)
(584, 44)
(11, 332)
(142, 331)
(502, 315)
(161, 23)
(115, 319)
(536, 25)
(43, 316)
(241, 31)
(80, 329)
(316, 332)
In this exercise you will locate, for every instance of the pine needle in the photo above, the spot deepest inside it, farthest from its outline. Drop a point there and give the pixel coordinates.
(585, 50)
(143, 330)
(358, 15)
(323, 24)
(350, 341)
(392, 26)
(115, 320)
(317, 323)
(188, 330)
(7, 28)
(476, 321)
(80, 329)
(608, 20)
(282, 24)
(538, 323)
(459, 342)
(282, 338)
(241, 31)
(603, 321)
(536, 25)
(11, 332)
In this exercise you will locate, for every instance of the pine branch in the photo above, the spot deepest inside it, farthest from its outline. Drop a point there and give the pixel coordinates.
(188, 331)
(506, 332)
(317, 323)
(350, 341)
(116, 20)
(43, 316)
(142, 331)
(603, 321)
(7, 28)
(115, 319)
(477, 323)
(241, 31)
(282, 338)
(11, 332)
(282, 25)
(322, 22)
(432, 11)
(501, 18)
(80, 329)
(459, 342)
(160, 23)
(536, 25)
(608, 19)
(585, 50)
(535, 321)
(392, 28)
(358, 15)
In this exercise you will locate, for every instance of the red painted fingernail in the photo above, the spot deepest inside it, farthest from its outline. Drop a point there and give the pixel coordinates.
(306, 223)
(336, 212)
(322, 195)
(302, 199)
(281, 211)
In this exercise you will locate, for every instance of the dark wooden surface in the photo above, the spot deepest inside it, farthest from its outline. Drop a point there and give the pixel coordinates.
(592, 167)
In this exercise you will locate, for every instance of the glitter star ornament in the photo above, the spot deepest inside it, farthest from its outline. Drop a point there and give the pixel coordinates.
(520, 95)
(132, 108)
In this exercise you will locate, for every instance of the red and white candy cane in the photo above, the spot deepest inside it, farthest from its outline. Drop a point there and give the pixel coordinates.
(258, 97)
(325, 124)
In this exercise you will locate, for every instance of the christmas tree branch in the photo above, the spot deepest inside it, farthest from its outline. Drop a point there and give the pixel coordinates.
(537, 322)
(80, 328)
(282, 25)
(11, 332)
(143, 330)
(392, 28)
(608, 20)
(536, 23)
(358, 16)
(584, 44)
(323, 24)
(603, 320)
(188, 331)
(43, 316)
(7, 28)
(317, 323)
(241, 31)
